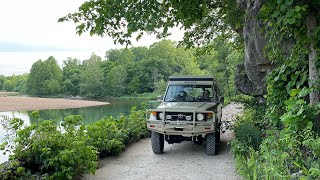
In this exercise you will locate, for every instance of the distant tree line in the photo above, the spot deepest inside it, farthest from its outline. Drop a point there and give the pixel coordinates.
(127, 71)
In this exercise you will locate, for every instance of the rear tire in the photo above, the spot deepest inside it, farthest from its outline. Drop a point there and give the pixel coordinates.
(211, 144)
(157, 142)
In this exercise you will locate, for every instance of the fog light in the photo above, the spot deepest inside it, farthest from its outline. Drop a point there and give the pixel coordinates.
(200, 117)
(188, 118)
(161, 116)
(168, 117)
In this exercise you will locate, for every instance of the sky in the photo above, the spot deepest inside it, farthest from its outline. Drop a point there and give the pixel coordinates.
(29, 31)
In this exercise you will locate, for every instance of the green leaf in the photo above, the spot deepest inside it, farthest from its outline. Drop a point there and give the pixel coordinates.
(283, 77)
(291, 20)
(275, 14)
(289, 2)
(290, 13)
(283, 7)
(294, 92)
(304, 92)
(297, 8)
(291, 103)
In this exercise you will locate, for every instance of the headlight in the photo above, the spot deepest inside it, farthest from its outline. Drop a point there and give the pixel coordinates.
(161, 116)
(188, 118)
(200, 117)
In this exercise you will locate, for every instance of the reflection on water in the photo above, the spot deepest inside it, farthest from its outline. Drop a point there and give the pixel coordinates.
(90, 114)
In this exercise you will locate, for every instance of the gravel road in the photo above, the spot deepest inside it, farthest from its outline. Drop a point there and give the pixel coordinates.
(184, 161)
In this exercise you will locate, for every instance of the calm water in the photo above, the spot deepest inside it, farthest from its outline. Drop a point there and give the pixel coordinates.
(90, 114)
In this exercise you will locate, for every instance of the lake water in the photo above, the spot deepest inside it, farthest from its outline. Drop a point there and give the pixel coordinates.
(90, 114)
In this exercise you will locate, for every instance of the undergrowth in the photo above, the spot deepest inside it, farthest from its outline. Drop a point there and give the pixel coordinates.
(45, 151)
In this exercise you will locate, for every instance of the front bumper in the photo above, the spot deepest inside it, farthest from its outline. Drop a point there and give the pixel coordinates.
(183, 127)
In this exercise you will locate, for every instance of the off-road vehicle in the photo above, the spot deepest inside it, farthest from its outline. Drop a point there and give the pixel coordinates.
(190, 110)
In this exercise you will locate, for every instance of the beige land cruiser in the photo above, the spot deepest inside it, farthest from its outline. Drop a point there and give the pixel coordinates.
(190, 110)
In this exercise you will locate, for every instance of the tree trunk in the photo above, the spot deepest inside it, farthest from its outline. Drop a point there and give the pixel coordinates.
(313, 72)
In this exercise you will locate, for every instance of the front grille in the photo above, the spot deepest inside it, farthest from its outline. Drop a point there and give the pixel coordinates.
(179, 116)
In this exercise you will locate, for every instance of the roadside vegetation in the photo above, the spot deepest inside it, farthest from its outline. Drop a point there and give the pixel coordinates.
(281, 140)
(43, 151)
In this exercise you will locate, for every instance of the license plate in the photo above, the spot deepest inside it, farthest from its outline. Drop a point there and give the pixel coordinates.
(178, 122)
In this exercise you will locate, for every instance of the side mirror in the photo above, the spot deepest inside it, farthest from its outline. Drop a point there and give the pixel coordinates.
(221, 99)
(159, 98)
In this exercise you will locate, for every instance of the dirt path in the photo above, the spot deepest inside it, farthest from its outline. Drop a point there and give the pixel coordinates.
(185, 161)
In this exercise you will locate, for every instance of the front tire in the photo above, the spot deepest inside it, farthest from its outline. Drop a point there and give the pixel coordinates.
(211, 144)
(218, 136)
(157, 142)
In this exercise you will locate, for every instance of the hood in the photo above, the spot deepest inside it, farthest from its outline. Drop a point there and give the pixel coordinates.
(200, 106)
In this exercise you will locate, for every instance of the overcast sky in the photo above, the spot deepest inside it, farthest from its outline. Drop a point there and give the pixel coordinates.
(29, 31)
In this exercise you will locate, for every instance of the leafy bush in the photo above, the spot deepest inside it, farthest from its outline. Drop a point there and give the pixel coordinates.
(289, 153)
(248, 134)
(44, 150)
(247, 130)
(135, 123)
(106, 136)
(110, 135)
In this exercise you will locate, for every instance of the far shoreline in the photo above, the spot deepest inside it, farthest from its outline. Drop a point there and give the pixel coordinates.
(21, 103)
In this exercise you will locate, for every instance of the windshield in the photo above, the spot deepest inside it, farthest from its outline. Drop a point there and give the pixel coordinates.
(189, 93)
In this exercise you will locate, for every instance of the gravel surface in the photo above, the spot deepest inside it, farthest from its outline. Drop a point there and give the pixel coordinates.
(15, 103)
(184, 161)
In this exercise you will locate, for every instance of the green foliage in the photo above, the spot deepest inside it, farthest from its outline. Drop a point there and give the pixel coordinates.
(14, 83)
(285, 152)
(71, 78)
(92, 77)
(201, 20)
(42, 151)
(220, 60)
(110, 135)
(248, 130)
(45, 78)
(290, 147)
(106, 136)
(116, 81)
(132, 71)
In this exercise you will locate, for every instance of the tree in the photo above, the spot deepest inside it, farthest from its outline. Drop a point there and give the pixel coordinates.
(45, 77)
(139, 53)
(120, 56)
(201, 20)
(8, 85)
(2, 79)
(116, 81)
(92, 77)
(143, 75)
(34, 85)
(72, 70)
